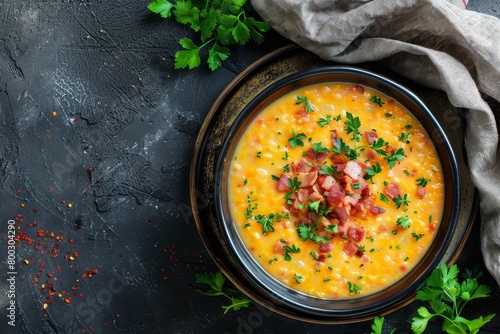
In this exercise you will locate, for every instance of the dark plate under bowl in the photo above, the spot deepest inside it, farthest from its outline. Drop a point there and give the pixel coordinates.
(357, 307)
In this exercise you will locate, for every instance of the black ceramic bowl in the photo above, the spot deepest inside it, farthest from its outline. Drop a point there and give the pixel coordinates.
(358, 307)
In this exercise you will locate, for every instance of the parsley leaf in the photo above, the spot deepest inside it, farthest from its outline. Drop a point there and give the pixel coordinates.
(266, 221)
(377, 100)
(190, 57)
(305, 99)
(297, 139)
(404, 201)
(352, 125)
(324, 121)
(218, 25)
(422, 181)
(305, 233)
(395, 156)
(404, 222)
(215, 282)
(447, 297)
(372, 171)
(162, 7)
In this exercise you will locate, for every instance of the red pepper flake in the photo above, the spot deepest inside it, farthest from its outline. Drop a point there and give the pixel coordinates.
(67, 300)
(71, 240)
(40, 233)
(18, 191)
(75, 120)
(23, 205)
(49, 188)
(63, 201)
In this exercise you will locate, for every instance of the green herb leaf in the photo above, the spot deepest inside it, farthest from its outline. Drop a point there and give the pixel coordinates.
(447, 298)
(372, 171)
(162, 7)
(422, 181)
(404, 201)
(190, 57)
(404, 222)
(215, 282)
(377, 100)
(218, 23)
(397, 155)
(324, 121)
(305, 99)
(297, 139)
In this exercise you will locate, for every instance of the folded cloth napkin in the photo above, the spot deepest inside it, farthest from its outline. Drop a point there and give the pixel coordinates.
(433, 42)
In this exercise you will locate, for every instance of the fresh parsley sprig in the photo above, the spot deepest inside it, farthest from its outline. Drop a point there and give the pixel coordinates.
(219, 23)
(447, 297)
(215, 282)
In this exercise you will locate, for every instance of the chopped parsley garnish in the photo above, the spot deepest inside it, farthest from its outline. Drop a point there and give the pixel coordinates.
(422, 181)
(305, 99)
(401, 201)
(324, 121)
(353, 288)
(266, 221)
(297, 278)
(319, 148)
(305, 233)
(404, 222)
(405, 137)
(372, 171)
(288, 250)
(377, 100)
(395, 156)
(297, 139)
(417, 236)
(294, 184)
(352, 125)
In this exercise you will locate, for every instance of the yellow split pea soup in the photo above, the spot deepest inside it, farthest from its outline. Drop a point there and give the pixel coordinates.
(336, 190)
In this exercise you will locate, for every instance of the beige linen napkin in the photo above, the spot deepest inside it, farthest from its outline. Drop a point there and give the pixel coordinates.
(433, 42)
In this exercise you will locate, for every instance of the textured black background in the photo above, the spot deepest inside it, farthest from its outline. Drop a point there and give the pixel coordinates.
(106, 69)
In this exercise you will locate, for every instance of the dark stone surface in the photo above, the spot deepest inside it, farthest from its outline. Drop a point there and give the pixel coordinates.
(118, 149)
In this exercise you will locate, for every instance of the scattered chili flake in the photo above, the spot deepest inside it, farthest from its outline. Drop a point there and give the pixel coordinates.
(23, 205)
(67, 300)
(54, 113)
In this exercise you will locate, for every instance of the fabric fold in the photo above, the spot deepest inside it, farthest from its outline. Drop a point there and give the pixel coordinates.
(432, 42)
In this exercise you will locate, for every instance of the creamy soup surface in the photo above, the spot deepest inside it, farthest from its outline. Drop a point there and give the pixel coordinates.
(336, 190)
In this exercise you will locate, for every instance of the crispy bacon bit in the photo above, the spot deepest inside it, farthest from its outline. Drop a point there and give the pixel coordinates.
(326, 182)
(325, 247)
(335, 195)
(312, 154)
(353, 170)
(356, 233)
(393, 190)
(283, 183)
(350, 248)
(304, 220)
(333, 135)
(338, 159)
(301, 167)
(359, 89)
(302, 115)
(420, 192)
(278, 247)
(376, 210)
(343, 213)
(371, 136)
(307, 179)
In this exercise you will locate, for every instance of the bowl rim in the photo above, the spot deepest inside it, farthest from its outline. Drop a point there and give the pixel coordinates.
(277, 291)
